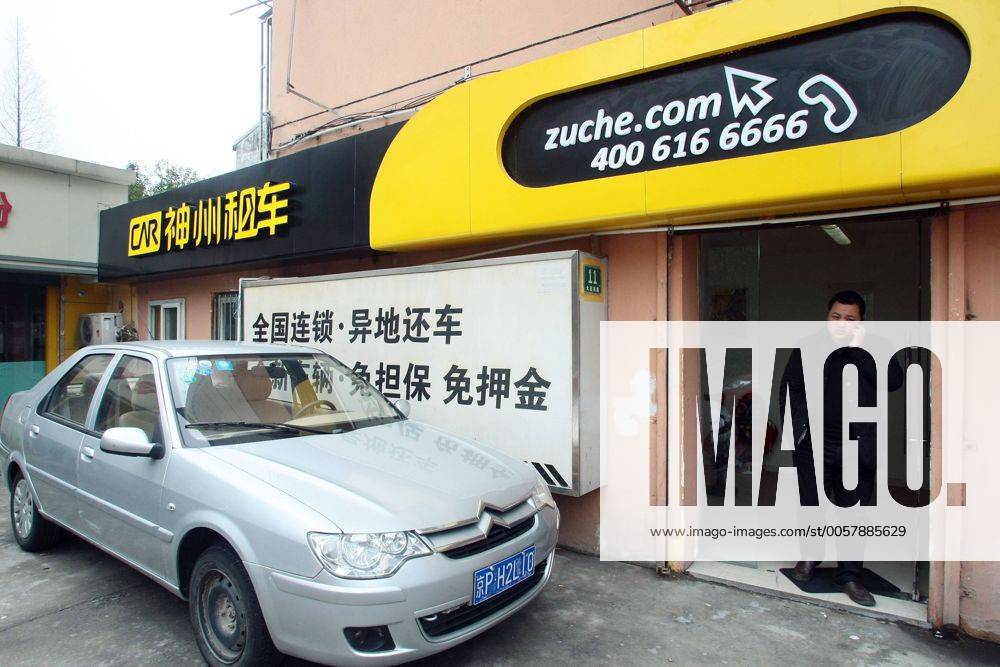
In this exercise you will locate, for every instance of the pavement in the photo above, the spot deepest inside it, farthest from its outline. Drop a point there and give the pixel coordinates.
(76, 605)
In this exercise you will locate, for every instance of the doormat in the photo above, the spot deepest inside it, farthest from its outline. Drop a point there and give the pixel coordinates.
(823, 581)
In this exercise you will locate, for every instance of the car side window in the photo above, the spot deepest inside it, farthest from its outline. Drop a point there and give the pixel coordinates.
(131, 399)
(71, 397)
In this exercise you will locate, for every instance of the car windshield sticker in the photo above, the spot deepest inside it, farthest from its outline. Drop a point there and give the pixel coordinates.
(188, 374)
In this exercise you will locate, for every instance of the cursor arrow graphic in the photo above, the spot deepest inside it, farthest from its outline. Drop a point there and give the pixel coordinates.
(744, 99)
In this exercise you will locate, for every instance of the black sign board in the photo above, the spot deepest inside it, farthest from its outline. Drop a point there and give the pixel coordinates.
(862, 79)
(305, 204)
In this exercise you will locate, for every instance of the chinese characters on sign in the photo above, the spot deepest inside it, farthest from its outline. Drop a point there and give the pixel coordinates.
(236, 216)
(461, 343)
(591, 279)
(494, 386)
(318, 326)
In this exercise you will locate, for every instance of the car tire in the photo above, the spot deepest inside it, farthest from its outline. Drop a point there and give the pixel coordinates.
(32, 531)
(228, 624)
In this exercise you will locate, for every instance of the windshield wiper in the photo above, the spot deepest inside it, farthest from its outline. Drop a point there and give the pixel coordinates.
(371, 421)
(270, 425)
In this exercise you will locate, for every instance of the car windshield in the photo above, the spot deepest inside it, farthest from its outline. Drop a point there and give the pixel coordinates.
(229, 399)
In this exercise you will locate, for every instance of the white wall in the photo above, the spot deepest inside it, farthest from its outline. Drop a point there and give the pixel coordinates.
(56, 210)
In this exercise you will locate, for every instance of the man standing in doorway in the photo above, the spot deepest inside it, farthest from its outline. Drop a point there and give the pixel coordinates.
(845, 314)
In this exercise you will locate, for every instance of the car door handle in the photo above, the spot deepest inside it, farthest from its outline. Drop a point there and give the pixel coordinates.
(87, 454)
(33, 431)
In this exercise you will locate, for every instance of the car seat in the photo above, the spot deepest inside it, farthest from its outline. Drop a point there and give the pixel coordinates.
(255, 385)
(116, 402)
(75, 408)
(145, 413)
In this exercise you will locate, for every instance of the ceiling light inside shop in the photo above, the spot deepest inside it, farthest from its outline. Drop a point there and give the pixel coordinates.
(837, 234)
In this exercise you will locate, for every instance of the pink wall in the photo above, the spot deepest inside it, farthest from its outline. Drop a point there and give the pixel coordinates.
(980, 582)
(633, 284)
(344, 50)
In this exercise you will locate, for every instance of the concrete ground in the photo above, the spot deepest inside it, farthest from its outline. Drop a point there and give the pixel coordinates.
(77, 606)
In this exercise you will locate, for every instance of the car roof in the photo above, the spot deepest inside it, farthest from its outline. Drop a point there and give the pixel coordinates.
(189, 348)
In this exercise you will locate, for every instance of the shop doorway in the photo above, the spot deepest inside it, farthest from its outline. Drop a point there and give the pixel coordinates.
(790, 273)
(22, 332)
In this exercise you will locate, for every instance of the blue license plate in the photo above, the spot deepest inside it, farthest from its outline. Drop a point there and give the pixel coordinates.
(498, 577)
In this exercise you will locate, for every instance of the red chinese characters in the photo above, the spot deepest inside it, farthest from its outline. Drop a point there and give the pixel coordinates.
(5, 209)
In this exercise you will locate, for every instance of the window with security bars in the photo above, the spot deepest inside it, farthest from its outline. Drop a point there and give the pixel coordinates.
(225, 307)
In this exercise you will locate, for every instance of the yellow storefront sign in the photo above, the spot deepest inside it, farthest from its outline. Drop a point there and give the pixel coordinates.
(732, 123)
(235, 216)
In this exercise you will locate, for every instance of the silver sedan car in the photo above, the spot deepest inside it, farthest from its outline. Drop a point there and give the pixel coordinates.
(295, 508)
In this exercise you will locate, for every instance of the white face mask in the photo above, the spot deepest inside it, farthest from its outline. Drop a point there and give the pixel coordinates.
(841, 330)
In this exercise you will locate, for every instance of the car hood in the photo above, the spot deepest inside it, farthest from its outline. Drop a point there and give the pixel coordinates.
(399, 476)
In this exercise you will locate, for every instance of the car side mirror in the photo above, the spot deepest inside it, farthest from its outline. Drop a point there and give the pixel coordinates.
(130, 441)
(403, 406)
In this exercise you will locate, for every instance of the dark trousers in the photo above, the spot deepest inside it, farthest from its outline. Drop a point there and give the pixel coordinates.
(848, 571)
(851, 570)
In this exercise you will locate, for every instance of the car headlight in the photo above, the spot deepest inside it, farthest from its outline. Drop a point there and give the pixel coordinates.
(541, 497)
(366, 555)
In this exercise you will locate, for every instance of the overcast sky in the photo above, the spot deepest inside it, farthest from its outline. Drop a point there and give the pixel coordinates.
(143, 79)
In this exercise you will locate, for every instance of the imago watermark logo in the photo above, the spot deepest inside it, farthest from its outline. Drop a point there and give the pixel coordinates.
(792, 441)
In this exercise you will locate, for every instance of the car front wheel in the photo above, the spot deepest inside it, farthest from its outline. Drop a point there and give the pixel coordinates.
(32, 531)
(228, 624)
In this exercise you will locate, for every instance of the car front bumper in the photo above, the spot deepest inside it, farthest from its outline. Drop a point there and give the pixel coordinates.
(307, 617)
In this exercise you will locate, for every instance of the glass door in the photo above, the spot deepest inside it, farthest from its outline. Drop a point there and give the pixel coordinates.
(790, 274)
